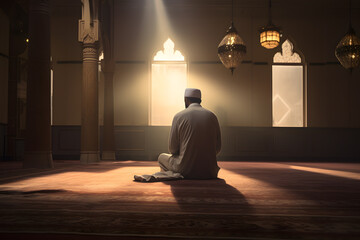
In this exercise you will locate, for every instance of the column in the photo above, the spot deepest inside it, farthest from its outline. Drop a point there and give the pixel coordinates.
(89, 105)
(108, 66)
(17, 45)
(38, 130)
(108, 150)
(88, 35)
(12, 95)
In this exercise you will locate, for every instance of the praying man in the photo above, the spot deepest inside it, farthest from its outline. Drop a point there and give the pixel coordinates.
(194, 143)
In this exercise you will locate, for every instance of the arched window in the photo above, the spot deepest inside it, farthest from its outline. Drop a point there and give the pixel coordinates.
(288, 98)
(168, 83)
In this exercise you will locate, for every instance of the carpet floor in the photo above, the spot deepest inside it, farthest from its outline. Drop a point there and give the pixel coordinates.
(250, 200)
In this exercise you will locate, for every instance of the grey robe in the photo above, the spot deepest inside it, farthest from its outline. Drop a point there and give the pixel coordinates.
(194, 142)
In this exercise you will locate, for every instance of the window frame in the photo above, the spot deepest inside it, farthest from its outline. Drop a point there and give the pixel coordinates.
(151, 62)
(304, 82)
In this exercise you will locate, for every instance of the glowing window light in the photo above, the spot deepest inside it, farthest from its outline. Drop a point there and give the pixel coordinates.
(168, 54)
(287, 96)
(168, 83)
(287, 55)
(337, 173)
(287, 88)
(101, 56)
(282, 110)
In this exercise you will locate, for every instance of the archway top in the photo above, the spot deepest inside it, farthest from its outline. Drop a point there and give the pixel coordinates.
(169, 54)
(287, 55)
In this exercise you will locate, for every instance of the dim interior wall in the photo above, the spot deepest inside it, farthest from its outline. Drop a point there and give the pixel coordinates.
(226, 95)
(243, 102)
(101, 93)
(236, 100)
(67, 94)
(197, 28)
(131, 94)
(2, 140)
(354, 99)
(245, 99)
(241, 99)
(66, 54)
(238, 143)
(4, 65)
(3, 89)
(196, 31)
(331, 94)
(339, 103)
(64, 37)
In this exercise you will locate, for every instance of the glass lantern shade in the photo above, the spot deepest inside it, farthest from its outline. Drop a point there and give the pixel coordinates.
(231, 49)
(269, 37)
(348, 50)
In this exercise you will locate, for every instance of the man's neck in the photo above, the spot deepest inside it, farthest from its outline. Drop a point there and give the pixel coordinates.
(194, 104)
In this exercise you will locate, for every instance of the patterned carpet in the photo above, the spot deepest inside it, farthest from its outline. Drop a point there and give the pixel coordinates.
(249, 201)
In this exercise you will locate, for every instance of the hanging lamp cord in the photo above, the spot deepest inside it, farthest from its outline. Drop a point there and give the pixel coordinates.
(270, 12)
(232, 11)
(350, 14)
(351, 30)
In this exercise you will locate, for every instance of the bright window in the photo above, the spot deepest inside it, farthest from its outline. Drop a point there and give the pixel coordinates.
(288, 88)
(168, 83)
(287, 96)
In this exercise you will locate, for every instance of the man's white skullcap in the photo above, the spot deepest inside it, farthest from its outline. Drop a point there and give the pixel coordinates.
(193, 92)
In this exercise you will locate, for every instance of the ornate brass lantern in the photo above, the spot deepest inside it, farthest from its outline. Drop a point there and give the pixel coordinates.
(231, 49)
(348, 50)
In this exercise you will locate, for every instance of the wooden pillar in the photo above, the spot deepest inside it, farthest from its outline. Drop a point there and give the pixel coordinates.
(88, 35)
(17, 45)
(12, 96)
(38, 130)
(89, 105)
(108, 67)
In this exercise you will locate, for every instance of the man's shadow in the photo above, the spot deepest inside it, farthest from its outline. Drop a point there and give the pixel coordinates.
(208, 196)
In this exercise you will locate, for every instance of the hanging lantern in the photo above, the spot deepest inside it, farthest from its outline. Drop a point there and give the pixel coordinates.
(231, 49)
(270, 35)
(348, 50)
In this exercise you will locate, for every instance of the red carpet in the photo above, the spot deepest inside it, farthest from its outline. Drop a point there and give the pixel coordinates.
(250, 201)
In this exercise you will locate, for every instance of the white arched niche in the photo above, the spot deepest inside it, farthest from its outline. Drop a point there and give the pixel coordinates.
(288, 99)
(168, 83)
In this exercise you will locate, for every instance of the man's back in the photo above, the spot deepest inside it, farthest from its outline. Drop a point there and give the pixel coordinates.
(194, 142)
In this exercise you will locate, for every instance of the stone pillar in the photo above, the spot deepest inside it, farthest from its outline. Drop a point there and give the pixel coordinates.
(108, 149)
(38, 130)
